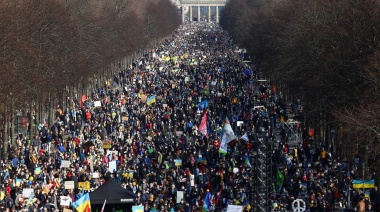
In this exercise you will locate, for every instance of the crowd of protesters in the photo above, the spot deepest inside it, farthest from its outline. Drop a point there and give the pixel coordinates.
(119, 121)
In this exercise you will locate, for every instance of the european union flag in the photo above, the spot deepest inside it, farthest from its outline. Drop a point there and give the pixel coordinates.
(203, 104)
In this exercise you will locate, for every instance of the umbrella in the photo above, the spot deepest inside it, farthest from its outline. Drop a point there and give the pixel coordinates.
(88, 144)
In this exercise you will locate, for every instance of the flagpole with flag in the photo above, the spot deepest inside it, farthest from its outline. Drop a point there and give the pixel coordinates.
(203, 126)
(245, 137)
(223, 145)
(83, 204)
(227, 129)
(104, 205)
(207, 201)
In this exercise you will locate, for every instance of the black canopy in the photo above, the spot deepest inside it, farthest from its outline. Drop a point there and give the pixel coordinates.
(113, 193)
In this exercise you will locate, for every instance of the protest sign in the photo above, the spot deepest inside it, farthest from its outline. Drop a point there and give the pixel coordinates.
(97, 104)
(28, 192)
(112, 166)
(69, 185)
(234, 208)
(65, 164)
(95, 175)
(65, 200)
(179, 196)
(84, 185)
(239, 123)
(107, 144)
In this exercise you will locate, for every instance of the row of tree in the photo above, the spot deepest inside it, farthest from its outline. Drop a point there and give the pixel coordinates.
(51, 48)
(326, 52)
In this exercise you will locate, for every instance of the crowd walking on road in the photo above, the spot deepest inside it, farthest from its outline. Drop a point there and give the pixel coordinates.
(181, 118)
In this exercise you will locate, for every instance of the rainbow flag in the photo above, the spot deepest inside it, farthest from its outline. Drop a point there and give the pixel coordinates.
(83, 204)
(151, 100)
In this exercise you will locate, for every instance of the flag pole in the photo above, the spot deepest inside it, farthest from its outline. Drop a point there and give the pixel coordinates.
(104, 204)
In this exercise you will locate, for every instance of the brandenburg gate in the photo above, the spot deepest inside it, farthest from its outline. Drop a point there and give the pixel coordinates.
(187, 7)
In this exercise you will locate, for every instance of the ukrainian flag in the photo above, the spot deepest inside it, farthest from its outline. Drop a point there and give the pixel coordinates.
(137, 208)
(83, 204)
(363, 183)
(151, 100)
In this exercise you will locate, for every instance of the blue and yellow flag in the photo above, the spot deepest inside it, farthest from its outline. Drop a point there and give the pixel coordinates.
(363, 184)
(83, 204)
(151, 100)
(137, 208)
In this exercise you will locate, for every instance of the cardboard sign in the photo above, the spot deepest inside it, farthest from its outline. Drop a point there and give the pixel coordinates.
(65, 164)
(239, 123)
(67, 210)
(124, 118)
(69, 185)
(28, 192)
(84, 185)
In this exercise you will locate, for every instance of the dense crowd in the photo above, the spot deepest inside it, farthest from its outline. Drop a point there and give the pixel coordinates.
(147, 119)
